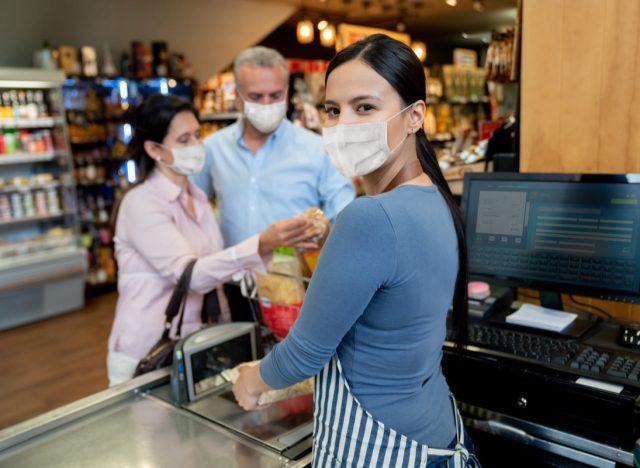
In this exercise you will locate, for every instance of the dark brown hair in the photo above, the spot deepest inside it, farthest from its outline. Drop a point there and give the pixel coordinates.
(398, 64)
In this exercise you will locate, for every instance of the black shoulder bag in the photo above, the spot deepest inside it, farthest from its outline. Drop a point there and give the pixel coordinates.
(161, 354)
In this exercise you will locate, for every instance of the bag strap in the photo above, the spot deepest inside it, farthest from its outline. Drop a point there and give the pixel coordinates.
(210, 307)
(178, 300)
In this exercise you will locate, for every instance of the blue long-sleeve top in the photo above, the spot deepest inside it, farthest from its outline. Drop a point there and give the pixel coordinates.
(379, 298)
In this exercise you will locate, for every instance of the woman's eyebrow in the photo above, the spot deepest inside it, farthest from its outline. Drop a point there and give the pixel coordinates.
(364, 97)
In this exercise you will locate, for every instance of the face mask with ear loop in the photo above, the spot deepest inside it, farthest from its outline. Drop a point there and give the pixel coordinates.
(187, 160)
(360, 149)
(265, 117)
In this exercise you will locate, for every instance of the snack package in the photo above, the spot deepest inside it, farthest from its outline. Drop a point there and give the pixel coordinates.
(301, 388)
(281, 289)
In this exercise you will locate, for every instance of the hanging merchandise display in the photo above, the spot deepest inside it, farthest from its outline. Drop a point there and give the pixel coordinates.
(500, 57)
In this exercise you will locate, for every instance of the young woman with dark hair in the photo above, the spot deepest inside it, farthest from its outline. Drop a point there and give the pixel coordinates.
(164, 223)
(374, 317)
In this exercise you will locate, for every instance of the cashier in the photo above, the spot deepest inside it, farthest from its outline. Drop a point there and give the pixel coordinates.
(373, 322)
(163, 223)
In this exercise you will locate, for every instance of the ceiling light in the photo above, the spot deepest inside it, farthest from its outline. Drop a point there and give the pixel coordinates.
(328, 36)
(420, 49)
(451, 2)
(304, 31)
(322, 24)
(478, 5)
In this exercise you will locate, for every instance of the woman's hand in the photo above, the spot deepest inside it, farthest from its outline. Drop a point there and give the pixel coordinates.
(295, 232)
(249, 387)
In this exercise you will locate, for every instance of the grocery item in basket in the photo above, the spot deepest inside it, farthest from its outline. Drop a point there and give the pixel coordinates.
(301, 388)
(319, 221)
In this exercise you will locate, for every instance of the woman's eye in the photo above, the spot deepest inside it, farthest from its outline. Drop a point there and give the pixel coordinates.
(365, 107)
(331, 111)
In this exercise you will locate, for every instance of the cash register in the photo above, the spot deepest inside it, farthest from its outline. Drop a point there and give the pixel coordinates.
(568, 397)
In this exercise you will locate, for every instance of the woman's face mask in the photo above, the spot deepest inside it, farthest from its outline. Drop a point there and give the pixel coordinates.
(359, 149)
(187, 160)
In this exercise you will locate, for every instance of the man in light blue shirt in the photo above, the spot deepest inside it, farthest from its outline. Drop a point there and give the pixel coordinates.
(263, 168)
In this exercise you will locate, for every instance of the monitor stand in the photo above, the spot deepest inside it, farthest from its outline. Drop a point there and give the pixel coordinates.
(551, 300)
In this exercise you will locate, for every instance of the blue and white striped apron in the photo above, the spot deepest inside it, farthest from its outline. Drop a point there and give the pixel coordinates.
(347, 435)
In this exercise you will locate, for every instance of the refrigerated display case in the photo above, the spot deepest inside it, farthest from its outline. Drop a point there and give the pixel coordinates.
(42, 265)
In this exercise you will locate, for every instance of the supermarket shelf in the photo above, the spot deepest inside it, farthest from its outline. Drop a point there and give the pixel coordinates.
(34, 219)
(220, 116)
(39, 285)
(45, 122)
(31, 188)
(468, 100)
(457, 99)
(22, 158)
(36, 258)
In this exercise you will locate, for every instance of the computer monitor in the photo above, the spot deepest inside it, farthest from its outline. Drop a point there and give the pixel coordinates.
(557, 233)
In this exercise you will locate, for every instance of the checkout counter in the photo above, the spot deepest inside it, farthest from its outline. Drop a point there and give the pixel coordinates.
(185, 417)
(520, 412)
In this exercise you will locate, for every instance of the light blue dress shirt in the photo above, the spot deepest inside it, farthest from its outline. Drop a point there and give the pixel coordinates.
(288, 174)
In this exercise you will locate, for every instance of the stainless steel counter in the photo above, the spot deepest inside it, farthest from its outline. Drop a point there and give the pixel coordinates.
(128, 427)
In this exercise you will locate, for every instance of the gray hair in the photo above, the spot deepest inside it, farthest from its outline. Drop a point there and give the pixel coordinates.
(259, 56)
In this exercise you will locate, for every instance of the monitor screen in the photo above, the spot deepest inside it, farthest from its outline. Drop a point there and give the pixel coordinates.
(556, 232)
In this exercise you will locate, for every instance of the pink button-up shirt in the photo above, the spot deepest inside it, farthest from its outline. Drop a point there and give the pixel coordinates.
(155, 239)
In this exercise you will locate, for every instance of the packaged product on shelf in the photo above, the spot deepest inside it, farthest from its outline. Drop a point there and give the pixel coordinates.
(53, 201)
(29, 208)
(41, 203)
(10, 141)
(5, 208)
(16, 206)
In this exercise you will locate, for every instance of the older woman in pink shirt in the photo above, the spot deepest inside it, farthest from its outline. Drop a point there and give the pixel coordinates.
(165, 222)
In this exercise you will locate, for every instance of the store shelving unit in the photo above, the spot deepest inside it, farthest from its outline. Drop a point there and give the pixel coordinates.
(99, 114)
(42, 266)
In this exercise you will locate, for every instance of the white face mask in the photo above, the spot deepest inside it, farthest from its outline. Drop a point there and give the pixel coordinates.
(265, 117)
(187, 160)
(359, 149)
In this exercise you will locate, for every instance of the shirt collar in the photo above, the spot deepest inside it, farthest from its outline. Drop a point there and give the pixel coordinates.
(162, 185)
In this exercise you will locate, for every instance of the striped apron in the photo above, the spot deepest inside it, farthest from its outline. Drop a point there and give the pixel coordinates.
(347, 435)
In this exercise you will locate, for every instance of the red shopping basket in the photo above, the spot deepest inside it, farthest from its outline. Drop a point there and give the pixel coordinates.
(278, 318)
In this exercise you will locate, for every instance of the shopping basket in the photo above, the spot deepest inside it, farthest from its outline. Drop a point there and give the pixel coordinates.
(275, 300)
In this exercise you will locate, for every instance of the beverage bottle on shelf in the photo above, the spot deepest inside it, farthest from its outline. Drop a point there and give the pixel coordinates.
(29, 208)
(22, 105)
(16, 205)
(15, 104)
(3, 150)
(6, 111)
(91, 208)
(40, 104)
(41, 203)
(32, 108)
(53, 201)
(5, 208)
(10, 141)
(25, 140)
(103, 216)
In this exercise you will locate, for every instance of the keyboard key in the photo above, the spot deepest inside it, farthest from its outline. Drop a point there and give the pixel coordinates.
(617, 373)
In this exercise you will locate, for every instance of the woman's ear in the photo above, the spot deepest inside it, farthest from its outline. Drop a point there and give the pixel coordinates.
(416, 116)
(153, 150)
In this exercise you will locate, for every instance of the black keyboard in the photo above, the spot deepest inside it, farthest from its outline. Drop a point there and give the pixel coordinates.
(586, 360)
(617, 273)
